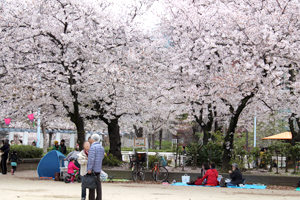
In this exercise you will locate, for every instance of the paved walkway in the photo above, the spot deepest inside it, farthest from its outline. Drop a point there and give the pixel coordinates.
(25, 185)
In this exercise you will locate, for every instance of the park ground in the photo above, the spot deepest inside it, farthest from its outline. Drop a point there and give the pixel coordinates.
(26, 186)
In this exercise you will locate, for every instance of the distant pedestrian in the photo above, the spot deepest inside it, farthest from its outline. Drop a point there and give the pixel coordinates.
(63, 148)
(96, 155)
(56, 146)
(4, 156)
(82, 160)
(20, 142)
(13, 161)
(12, 142)
(34, 144)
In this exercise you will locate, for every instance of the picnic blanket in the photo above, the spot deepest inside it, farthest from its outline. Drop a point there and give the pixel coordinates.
(298, 189)
(244, 187)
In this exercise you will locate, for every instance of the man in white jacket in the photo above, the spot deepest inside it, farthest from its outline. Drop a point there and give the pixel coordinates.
(82, 160)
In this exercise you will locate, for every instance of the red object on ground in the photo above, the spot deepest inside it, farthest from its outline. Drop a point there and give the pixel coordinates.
(211, 176)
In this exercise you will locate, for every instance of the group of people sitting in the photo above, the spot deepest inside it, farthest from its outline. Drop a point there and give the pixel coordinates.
(209, 176)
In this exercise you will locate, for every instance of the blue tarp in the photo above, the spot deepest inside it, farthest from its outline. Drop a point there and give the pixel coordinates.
(245, 187)
(50, 164)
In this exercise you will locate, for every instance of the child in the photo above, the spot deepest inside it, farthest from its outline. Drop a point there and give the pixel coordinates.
(71, 168)
(14, 158)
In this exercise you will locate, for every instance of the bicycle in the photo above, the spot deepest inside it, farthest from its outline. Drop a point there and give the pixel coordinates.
(138, 170)
(77, 177)
(159, 172)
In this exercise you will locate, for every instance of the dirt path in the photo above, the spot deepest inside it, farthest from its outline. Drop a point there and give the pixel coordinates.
(25, 185)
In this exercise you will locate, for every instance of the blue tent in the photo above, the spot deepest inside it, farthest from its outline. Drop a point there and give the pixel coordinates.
(50, 164)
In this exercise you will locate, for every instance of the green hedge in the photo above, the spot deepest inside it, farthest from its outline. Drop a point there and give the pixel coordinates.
(110, 160)
(68, 150)
(26, 151)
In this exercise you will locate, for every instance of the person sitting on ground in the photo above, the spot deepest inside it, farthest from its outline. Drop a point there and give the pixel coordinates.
(235, 175)
(63, 148)
(210, 176)
(71, 168)
(204, 168)
(56, 146)
(13, 162)
(82, 160)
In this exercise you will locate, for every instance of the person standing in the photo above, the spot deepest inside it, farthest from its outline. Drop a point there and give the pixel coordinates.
(56, 146)
(14, 158)
(63, 148)
(96, 155)
(82, 160)
(4, 156)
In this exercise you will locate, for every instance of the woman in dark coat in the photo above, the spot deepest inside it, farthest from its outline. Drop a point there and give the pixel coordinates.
(4, 156)
(235, 175)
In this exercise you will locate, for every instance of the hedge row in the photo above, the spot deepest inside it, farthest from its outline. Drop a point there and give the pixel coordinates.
(26, 151)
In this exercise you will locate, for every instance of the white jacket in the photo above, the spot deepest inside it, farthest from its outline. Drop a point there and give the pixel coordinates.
(82, 160)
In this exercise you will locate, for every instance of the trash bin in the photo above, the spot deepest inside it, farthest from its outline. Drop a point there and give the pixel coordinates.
(56, 176)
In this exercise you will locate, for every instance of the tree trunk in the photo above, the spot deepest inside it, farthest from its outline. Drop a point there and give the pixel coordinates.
(114, 138)
(195, 161)
(160, 137)
(206, 127)
(206, 135)
(292, 129)
(44, 138)
(229, 137)
(80, 132)
(153, 140)
(50, 139)
(138, 131)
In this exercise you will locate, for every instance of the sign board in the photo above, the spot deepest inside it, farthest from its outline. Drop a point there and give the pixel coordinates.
(140, 142)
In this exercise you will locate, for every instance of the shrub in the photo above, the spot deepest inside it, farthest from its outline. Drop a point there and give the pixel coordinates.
(152, 160)
(26, 151)
(110, 160)
(69, 149)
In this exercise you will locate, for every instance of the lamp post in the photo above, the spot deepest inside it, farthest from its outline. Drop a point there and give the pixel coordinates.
(255, 129)
(38, 128)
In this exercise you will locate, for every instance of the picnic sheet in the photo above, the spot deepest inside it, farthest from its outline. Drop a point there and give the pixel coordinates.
(245, 187)
(298, 189)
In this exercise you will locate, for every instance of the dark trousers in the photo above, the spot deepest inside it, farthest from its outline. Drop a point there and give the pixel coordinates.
(83, 191)
(3, 163)
(98, 190)
(14, 168)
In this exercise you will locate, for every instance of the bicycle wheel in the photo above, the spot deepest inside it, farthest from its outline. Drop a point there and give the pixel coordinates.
(134, 173)
(67, 179)
(142, 173)
(162, 174)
